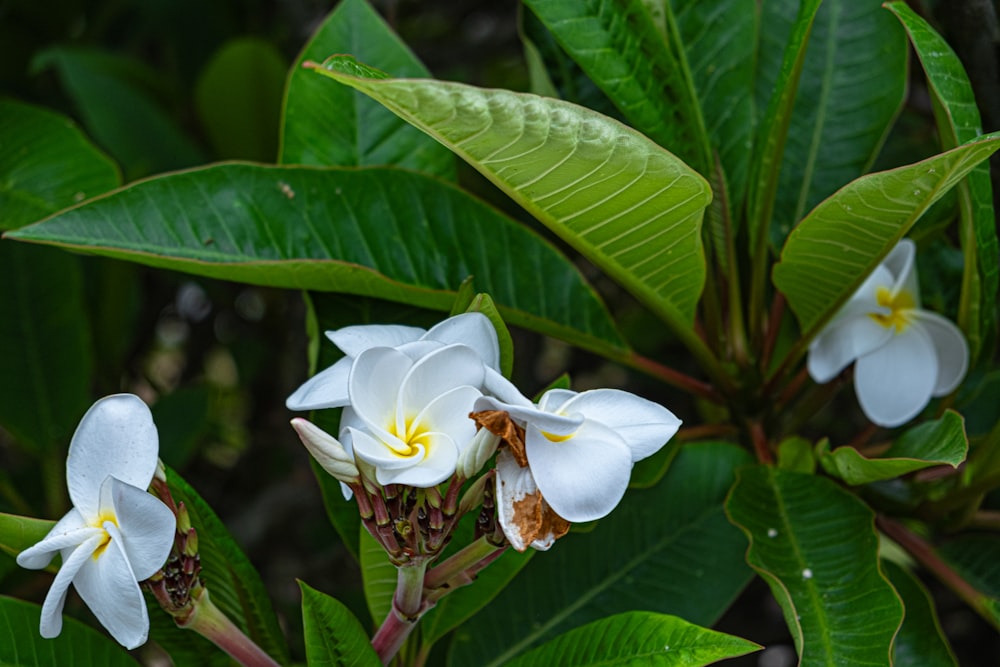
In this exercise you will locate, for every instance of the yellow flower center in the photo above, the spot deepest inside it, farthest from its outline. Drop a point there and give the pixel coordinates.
(552, 437)
(106, 538)
(899, 309)
(410, 438)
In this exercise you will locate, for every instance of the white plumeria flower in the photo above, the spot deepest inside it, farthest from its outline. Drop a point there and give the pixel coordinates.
(409, 418)
(117, 534)
(579, 449)
(329, 388)
(903, 354)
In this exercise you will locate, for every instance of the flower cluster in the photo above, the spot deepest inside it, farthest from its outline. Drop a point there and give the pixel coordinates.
(903, 355)
(413, 401)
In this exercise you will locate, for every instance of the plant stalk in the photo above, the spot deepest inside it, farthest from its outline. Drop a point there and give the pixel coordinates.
(208, 620)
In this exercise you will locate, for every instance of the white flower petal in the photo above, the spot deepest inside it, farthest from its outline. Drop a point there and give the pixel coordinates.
(950, 347)
(842, 342)
(439, 372)
(544, 421)
(554, 399)
(69, 531)
(109, 587)
(449, 413)
(437, 463)
(583, 477)
(645, 426)
(472, 330)
(116, 437)
(354, 340)
(147, 526)
(51, 621)
(419, 348)
(326, 389)
(894, 383)
(902, 262)
(390, 453)
(376, 376)
(497, 385)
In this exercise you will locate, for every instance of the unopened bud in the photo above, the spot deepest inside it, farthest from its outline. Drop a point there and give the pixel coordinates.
(183, 519)
(327, 451)
(477, 453)
(161, 471)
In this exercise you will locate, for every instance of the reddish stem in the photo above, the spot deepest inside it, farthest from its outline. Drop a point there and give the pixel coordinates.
(704, 432)
(209, 621)
(676, 378)
(760, 444)
(773, 326)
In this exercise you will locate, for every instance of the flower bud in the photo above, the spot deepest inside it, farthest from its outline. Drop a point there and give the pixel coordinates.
(327, 451)
(477, 453)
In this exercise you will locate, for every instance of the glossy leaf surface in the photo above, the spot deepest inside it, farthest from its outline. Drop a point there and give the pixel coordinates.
(815, 545)
(851, 231)
(17, 533)
(671, 545)
(636, 638)
(958, 121)
(378, 232)
(46, 163)
(626, 204)
(333, 637)
(920, 642)
(852, 84)
(326, 125)
(76, 646)
(939, 442)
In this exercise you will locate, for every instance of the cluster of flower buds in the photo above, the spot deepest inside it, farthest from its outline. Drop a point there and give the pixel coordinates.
(177, 585)
(425, 411)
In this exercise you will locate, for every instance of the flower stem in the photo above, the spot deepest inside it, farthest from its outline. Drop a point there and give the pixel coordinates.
(407, 608)
(458, 564)
(209, 621)
(675, 378)
(391, 635)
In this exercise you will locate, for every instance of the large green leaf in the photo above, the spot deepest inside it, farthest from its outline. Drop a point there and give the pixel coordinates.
(641, 69)
(325, 125)
(920, 641)
(958, 122)
(76, 646)
(46, 164)
(384, 232)
(333, 637)
(17, 533)
(629, 206)
(672, 551)
(852, 85)
(815, 545)
(934, 443)
(975, 557)
(45, 374)
(228, 575)
(636, 638)
(114, 97)
(830, 253)
(248, 74)
(379, 577)
(720, 40)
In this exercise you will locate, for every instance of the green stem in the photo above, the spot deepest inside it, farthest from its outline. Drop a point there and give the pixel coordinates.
(468, 557)
(408, 606)
(208, 620)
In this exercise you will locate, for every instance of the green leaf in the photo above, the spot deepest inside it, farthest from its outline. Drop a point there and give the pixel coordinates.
(623, 51)
(939, 442)
(45, 385)
(46, 163)
(326, 126)
(842, 240)
(920, 641)
(852, 85)
(975, 557)
(637, 638)
(333, 636)
(958, 122)
(378, 577)
(781, 57)
(76, 646)
(17, 533)
(719, 41)
(815, 545)
(795, 454)
(671, 545)
(228, 575)
(629, 206)
(383, 232)
(113, 97)
(482, 303)
(246, 74)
